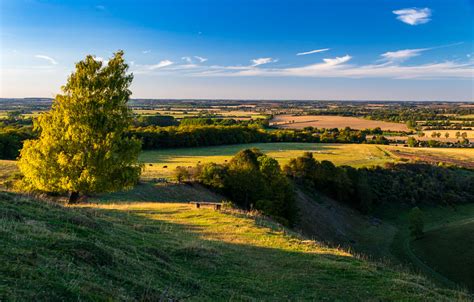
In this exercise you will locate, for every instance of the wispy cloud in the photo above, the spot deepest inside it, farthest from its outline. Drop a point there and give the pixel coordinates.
(100, 7)
(162, 64)
(405, 54)
(337, 60)
(261, 61)
(146, 51)
(312, 51)
(201, 59)
(340, 67)
(413, 16)
(187, 59)
(47, 58)
(402, 55)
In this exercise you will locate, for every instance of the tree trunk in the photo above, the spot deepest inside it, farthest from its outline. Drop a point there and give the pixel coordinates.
(73, 197)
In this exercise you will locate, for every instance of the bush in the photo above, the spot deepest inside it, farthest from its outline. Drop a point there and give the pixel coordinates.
(416, 225)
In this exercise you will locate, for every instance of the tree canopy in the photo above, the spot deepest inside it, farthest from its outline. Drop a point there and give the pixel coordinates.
(82, 145)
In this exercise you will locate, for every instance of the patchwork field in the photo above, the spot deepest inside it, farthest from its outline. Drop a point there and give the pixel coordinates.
(326, 121)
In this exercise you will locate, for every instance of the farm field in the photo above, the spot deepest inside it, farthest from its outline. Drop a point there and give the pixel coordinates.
(356, 155)
(452, 134)
(461, 157)
(340, 154)
(326, 121)
(154, 251)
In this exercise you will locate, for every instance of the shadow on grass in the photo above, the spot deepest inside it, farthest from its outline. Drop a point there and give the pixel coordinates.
(163, 193)
(55, 253)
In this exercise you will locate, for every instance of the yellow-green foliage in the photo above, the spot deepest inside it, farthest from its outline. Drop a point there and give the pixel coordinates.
(82, 147)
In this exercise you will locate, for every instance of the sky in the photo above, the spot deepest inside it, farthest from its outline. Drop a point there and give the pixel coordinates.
(246, 49)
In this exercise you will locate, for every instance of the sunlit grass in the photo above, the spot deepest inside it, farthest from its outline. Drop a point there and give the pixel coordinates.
(161, 163)
(152, 251)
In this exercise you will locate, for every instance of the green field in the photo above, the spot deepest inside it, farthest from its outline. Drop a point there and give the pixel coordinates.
(357, 155)
(172, 251)
(161, 163)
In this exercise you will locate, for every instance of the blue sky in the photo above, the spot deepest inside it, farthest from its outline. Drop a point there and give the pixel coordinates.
(326, 49)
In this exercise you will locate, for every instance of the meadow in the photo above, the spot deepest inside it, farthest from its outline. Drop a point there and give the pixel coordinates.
(161, 163)
(326, 121)
(341, 154)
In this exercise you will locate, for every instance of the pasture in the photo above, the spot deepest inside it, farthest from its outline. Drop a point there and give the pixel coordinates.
(326, 121)
(161, 163)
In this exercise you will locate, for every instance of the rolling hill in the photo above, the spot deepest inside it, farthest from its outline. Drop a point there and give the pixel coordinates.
(158, 251)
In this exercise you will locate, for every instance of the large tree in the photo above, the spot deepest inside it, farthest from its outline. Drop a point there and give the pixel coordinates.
(83, 147)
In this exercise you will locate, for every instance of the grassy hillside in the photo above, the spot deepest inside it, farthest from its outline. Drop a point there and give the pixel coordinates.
(151, 251)
(448, 250)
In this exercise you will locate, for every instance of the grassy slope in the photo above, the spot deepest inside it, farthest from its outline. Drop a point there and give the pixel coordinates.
(449, 250)
(152, 251)
(435, 218)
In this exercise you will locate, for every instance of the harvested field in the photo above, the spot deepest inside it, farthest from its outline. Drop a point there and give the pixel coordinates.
(328, 121)
(452, 156)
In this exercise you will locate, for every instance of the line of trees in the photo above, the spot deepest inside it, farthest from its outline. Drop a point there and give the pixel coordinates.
(212, 135)
(366, 188)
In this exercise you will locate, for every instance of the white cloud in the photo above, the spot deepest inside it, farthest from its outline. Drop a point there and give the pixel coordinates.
(312, 51)
(47, 58)
(146, 51)
(162, 64)
(337, 60)
(413, 16)
(405, 54)
(187, 59)
(402, 55)
(261, 61)
(201, 59)
(338, 67)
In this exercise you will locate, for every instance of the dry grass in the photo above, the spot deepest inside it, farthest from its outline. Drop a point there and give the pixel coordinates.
(323, 121)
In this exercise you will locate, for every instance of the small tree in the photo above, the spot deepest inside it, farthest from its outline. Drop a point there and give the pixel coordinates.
(82, 146)
(416, 224)
(446, 135)
(182, 174)
(412, 142)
